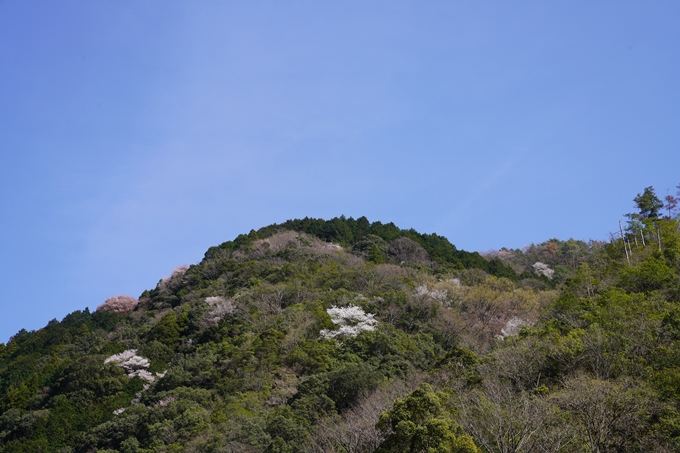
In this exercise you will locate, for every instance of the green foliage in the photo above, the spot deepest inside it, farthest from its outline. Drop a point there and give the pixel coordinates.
(312, 401)
(374, 247)
(421, 423)
(313, 357)
(348, 383)
(279, 445)
(167, 330)
(648, 204)
(376, 255)
(158, 353)
(290, 429)
(651, 275)
(129, 445)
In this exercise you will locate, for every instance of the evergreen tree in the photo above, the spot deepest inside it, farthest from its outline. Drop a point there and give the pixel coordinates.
(420, 423)
(648, 204)
(376, 255)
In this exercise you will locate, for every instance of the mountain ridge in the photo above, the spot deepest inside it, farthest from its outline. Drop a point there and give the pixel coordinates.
(344, 335)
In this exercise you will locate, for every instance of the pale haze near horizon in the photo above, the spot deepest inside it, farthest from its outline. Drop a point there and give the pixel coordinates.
(135, 135)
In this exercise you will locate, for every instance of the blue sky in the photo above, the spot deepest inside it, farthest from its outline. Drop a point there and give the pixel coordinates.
(134, 135)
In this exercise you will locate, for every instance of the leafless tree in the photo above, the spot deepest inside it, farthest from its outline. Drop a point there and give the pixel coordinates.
(271, 298)
(520, 363)
(614, 415)
(355, 431)
(407, 250)
(502, 420)
(671, 204)
(600, 352)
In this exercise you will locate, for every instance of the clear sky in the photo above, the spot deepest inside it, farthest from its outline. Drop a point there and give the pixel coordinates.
(136, 134)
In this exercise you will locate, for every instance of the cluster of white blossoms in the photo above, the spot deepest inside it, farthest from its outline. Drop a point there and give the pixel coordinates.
(179, 270)
(352, 321)
(543, 269)
(513, 326)
(133, 364)
(119, 304)
(221, 307)
(436, 294)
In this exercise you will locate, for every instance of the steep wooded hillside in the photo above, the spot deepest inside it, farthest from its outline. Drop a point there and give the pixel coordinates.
(350, 336)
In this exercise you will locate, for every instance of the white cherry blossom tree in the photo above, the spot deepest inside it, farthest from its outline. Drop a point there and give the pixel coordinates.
(352, 320)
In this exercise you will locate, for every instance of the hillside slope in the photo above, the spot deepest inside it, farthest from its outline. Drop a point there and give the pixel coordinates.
(347, 336)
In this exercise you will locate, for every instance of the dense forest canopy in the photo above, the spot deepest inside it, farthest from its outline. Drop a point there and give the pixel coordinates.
(348, 336)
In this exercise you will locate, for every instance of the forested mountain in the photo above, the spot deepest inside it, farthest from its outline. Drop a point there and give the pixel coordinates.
(358, 337)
